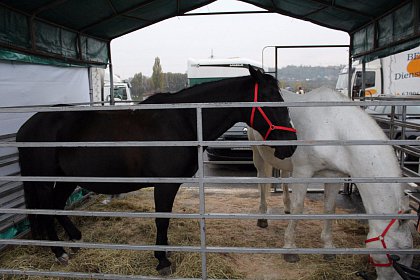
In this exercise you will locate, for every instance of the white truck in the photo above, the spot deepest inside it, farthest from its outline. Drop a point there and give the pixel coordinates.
(397, 75)
(101, 87)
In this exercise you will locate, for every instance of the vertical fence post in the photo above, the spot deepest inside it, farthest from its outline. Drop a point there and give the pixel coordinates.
(200, 174)
(403, 129)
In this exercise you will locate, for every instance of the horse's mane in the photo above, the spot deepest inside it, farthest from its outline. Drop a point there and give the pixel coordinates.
(214, 91)
(194, 94)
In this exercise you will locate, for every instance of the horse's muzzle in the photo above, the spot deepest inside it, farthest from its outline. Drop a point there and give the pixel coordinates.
(283, 152)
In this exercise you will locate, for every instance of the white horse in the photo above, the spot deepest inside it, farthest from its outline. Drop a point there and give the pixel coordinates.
(335, 123)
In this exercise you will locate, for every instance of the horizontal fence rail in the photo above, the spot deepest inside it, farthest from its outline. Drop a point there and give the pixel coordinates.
(214, 216)
(223, 144)
(79, 275)
(212, 179)
(210, 249)
(30, 109)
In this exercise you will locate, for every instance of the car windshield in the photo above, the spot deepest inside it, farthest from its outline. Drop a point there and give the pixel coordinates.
(342, 81)
(413, 111)
(369, 79)
(120, 92)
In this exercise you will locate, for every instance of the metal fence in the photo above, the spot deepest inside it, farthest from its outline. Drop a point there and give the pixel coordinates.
(200, 179)
(401, 122)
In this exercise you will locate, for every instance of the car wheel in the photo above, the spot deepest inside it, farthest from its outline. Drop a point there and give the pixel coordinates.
(398, 151)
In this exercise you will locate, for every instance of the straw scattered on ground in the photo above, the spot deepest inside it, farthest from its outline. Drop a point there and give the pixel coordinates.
(224, 233)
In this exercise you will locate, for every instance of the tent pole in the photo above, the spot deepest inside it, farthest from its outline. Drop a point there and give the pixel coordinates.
(90, 85)
(362, 92)
(111, 77)
(350, 72)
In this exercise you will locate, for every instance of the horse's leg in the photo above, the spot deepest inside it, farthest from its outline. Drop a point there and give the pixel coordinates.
(46, 201)
(286, 194)
(62, 192)
(264, 170)
(264, 190)
(330, 193)
(164, 200)
(297, 202)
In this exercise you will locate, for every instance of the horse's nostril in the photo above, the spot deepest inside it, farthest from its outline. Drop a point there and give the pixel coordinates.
(284, 152)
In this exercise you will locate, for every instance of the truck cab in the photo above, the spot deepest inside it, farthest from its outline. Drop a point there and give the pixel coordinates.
(373, 80)
(101, 88)
(122, 92)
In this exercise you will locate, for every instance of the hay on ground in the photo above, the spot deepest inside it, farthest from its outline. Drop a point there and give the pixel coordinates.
(225, 233)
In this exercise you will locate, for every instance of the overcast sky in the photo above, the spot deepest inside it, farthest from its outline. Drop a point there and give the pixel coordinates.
(177, 39)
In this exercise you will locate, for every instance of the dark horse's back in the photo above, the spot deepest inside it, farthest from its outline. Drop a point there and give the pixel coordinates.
(98, 126)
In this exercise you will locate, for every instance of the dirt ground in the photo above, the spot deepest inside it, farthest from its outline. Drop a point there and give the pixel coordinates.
(185, 232)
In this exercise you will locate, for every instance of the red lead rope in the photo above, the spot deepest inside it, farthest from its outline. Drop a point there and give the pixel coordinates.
(381, 238)
(271, 127)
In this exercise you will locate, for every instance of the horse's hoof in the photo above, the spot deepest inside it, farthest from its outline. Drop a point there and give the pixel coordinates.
(262, 223)
(166, 271)
(165, 267)
(63, 260)
(291, 258)
(286, 211)
(329, 257)
(74, 250)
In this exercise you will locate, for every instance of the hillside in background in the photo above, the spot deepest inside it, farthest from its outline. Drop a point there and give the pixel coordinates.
(290, 77)
(308, 77)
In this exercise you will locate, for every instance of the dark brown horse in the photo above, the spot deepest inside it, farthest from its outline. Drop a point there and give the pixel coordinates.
(139, 125)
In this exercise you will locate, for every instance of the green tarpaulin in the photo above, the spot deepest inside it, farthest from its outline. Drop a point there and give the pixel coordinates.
(79, 31)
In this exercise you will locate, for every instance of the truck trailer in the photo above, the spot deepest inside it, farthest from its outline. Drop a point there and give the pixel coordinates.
(397, 75)
(101, 88)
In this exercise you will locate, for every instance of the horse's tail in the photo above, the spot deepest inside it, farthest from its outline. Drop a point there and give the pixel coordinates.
(36, 197)
(31, 202)
(37, 162)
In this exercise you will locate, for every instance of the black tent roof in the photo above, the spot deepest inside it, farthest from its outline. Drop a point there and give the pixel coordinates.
(80, 31)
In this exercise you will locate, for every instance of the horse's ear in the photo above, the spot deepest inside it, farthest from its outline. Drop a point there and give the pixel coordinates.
(255, 73)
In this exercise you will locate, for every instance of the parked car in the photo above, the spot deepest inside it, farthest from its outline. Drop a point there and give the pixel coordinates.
(235, 133)
(382, 115)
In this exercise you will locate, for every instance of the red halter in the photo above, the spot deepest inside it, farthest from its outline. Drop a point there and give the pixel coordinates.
(271, 127)
(382, 239)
